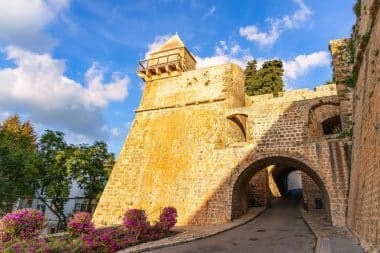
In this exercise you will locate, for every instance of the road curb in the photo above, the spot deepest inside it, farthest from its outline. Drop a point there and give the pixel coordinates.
(321, 243)
(330, 243)
(165, 243)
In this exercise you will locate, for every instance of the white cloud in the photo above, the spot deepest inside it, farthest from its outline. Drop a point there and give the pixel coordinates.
(98, 93)
(225, 53)
(23, 22)
(115, 132)
(37, 87)
(210, 12)
(301, 64)
(157, 42)
(293, 68)
(252, 32)
(299, 16)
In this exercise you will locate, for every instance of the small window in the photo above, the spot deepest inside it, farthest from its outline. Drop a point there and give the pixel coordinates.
(77, 207)
(318, 203)
(83, 207)
(332, 125)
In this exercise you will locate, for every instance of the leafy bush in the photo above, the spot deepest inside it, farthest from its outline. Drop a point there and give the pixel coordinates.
(168, 219)
(61, 244)
(136, 222)
(34, 245)
(21, 224)
(80, 224)
(153, 233)
(109, 239)
(18, 246)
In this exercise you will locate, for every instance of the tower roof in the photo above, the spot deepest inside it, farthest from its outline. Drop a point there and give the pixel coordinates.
(172, 43)
(171, 58)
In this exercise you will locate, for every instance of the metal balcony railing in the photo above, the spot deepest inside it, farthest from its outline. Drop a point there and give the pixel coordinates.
(162, 61)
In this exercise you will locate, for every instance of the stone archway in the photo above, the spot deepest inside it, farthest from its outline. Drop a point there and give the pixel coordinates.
(239, 203)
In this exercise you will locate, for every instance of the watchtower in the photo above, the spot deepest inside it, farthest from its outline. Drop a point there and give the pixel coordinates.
(170, 59)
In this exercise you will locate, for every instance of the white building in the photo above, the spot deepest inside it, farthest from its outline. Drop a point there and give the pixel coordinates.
(76, 203)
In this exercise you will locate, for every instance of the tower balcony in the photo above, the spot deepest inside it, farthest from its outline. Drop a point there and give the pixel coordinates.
(158, 67)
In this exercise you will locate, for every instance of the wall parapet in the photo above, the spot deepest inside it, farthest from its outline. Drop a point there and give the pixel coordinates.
(295, 95)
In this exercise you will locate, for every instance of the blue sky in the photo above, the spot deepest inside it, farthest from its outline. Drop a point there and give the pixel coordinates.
(71, 65)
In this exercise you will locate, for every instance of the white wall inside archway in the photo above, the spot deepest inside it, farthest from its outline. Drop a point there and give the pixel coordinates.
(295, 180)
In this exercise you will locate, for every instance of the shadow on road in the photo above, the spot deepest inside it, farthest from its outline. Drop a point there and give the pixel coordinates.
(280, 228)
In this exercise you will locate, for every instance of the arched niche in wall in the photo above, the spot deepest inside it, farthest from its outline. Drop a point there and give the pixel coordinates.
(238, 127)
(332, 125)
(324, 119)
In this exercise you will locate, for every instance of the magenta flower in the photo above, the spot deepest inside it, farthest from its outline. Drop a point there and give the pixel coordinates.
(136, 222)
(80, 224)
(22, 224)
(168, 219)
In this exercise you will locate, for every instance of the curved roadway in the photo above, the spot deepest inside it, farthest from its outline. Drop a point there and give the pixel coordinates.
(280, 228)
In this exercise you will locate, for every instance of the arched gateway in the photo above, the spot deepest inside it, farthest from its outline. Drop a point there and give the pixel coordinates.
(242, 176)
(197, 139)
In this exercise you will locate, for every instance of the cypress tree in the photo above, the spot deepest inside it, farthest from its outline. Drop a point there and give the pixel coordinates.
(268, 79)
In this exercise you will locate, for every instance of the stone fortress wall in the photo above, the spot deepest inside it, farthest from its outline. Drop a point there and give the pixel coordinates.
(197, 140)
(360, 61)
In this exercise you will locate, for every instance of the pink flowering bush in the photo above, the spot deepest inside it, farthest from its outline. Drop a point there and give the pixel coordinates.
(108, 239)
(136, 222)
(80, 224)
(83, 236)
(168, 219)
(21, 224)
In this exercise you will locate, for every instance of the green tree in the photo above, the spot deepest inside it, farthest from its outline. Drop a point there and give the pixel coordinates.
(55, 176)
(268, 79)
(91, 166)
(251, 82)
(18, 161)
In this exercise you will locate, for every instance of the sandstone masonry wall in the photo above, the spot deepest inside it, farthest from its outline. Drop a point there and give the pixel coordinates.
(364, 199)
(341, 60)
(186, 148)
(258, 189)
(311, 192)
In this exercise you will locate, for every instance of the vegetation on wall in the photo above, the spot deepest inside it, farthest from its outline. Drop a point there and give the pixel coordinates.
(345, 134)
(360, 42)
(266, 80)
(357, 8)
(328, 82)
